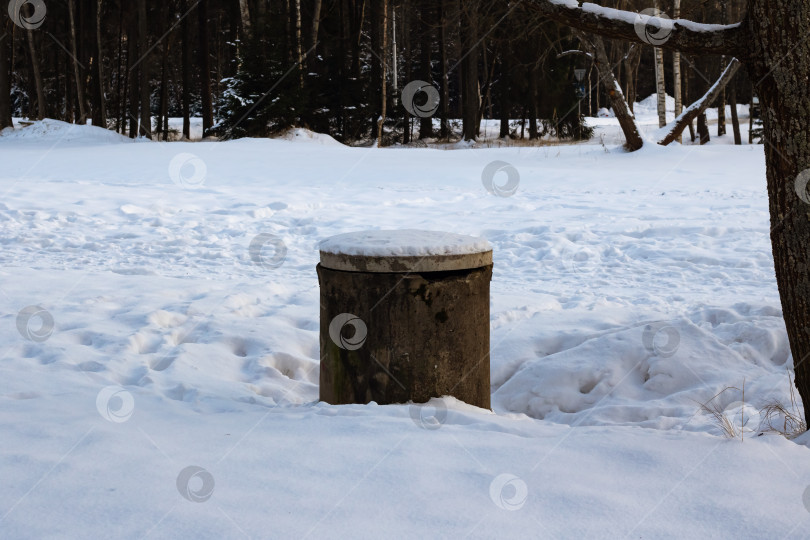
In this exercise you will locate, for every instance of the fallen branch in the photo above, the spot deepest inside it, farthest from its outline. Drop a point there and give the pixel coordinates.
(674, 129)
(614, 91)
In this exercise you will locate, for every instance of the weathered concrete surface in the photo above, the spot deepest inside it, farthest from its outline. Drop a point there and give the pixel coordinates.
(427, 336)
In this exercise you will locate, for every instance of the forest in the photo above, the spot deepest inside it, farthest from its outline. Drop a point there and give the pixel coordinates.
(257, 67)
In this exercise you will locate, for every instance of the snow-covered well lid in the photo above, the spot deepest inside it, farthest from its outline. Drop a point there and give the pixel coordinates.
(406, 250)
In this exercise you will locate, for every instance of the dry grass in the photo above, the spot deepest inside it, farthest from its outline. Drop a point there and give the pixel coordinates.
(775, 417)
(788, 421)
(719, 417)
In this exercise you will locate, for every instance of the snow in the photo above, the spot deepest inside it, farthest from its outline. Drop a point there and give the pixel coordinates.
(631, 17)
(627, 290)
(403, 243)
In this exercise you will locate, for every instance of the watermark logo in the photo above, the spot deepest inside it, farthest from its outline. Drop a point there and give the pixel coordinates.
(195, 484)
(508, 492)
(115, 404)
(258, 244)
(806, 498)
(508, 188)
(579, 259)
(743, 416)
(348, 331)
(32, 21)
(429, 416)
(801, 185)
(425, 94)
(661, 339)
(187, 170)
(31, 331)
(653, 26)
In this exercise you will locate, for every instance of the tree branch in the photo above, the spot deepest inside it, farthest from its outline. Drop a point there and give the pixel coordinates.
(675, 128)
(575, 51)
(614, 91)
(679, 35)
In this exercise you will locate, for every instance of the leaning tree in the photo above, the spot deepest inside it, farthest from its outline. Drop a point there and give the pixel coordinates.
(773, 42)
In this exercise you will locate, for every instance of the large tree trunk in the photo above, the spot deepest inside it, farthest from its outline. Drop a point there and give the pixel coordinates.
(779, 63)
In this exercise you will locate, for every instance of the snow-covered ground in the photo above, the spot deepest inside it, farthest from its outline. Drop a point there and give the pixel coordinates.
(628, 289)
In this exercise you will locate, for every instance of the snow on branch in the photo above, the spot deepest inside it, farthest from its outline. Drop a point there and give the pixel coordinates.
(574, 51)
(673, 130)
(650, 27)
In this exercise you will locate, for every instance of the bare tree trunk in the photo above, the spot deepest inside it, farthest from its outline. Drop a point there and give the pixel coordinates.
(735, 121)
(134, 88)
(100, 67)
(244, 12)
(660, 87)
(426, 73)
(299, 51)
(120, 90)
(614, 92)
(205, 69)
(5, 83)
(316, 21)
(721, 104)
(532, 105)
(503, 91)
(383, 56)
(186, 69)
(163, 120)
(143, 69)
(37, 75)
(703, 128)
(631, 61)
(469, 69)
(676, 69)
(780, 29)
(686, 98)
(76, 71)
(444, 130)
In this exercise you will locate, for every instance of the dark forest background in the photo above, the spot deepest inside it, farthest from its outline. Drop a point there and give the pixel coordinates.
(257, 67)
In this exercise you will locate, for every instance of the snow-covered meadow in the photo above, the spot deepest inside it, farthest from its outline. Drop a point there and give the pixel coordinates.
(628, 289)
